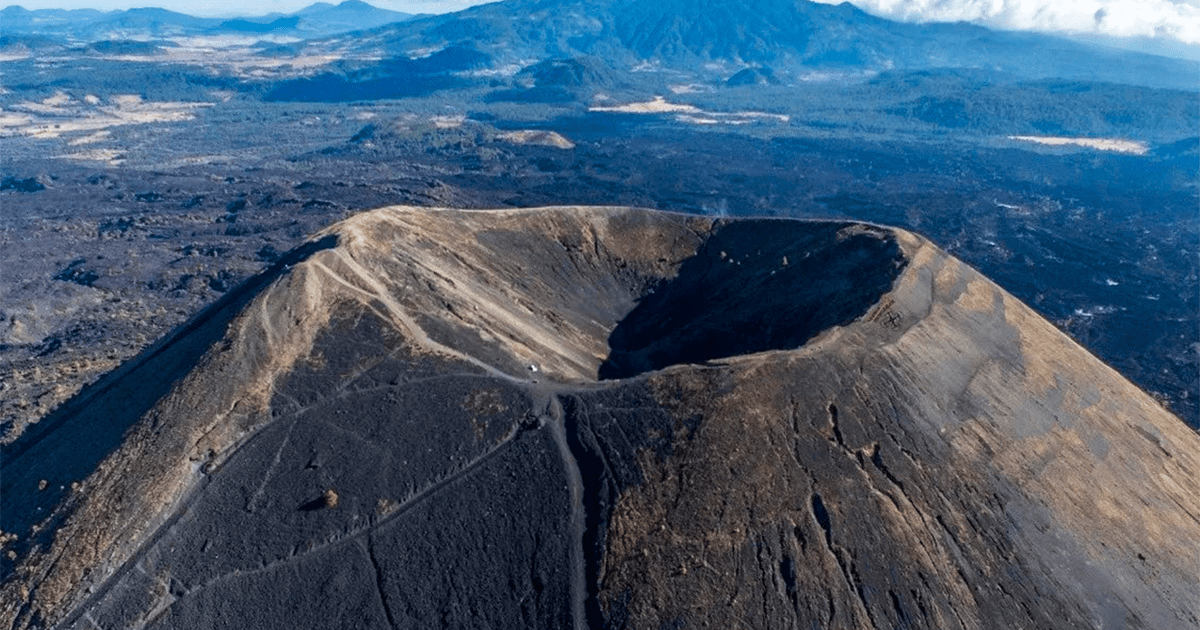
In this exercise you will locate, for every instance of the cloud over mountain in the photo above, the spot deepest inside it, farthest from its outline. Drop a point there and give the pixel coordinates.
(1168, 19)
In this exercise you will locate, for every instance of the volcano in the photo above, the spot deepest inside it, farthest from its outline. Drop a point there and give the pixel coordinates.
(606, 417)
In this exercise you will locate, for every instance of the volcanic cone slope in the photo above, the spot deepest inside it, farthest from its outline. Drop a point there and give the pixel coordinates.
(606, 417)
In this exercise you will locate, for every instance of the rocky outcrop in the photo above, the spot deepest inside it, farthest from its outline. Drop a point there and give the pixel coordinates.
(606, 417)
(753, 76)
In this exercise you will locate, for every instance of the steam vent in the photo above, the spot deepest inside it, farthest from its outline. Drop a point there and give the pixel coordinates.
(606, 418)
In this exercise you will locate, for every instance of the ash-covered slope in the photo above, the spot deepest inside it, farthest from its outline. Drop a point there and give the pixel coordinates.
(605, 417)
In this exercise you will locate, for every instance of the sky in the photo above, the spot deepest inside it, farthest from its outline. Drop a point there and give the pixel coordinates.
(1177, 20)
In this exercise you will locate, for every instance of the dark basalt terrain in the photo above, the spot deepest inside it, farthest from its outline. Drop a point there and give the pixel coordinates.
(1101, 245)
(605, 417)
(153, 161)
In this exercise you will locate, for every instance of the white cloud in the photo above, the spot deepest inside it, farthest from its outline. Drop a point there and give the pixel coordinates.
(1170, 19)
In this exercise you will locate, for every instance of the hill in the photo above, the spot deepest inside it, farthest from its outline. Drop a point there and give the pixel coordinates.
(317, 20)
(593, 417)
(349, 15)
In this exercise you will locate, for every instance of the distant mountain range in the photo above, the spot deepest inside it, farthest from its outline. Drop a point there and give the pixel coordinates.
(792, 36)
(318, 20)
(782, 41)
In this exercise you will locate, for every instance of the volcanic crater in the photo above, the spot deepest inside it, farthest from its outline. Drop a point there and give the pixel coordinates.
(606, 417)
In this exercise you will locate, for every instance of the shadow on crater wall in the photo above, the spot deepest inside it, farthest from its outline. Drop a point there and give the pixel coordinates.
(755, 286)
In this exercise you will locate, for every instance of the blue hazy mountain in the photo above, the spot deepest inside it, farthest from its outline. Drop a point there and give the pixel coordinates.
(790, 36)
(318, 20)
(16, 19)
(95, 25)
(261, 26)
(351, 15)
